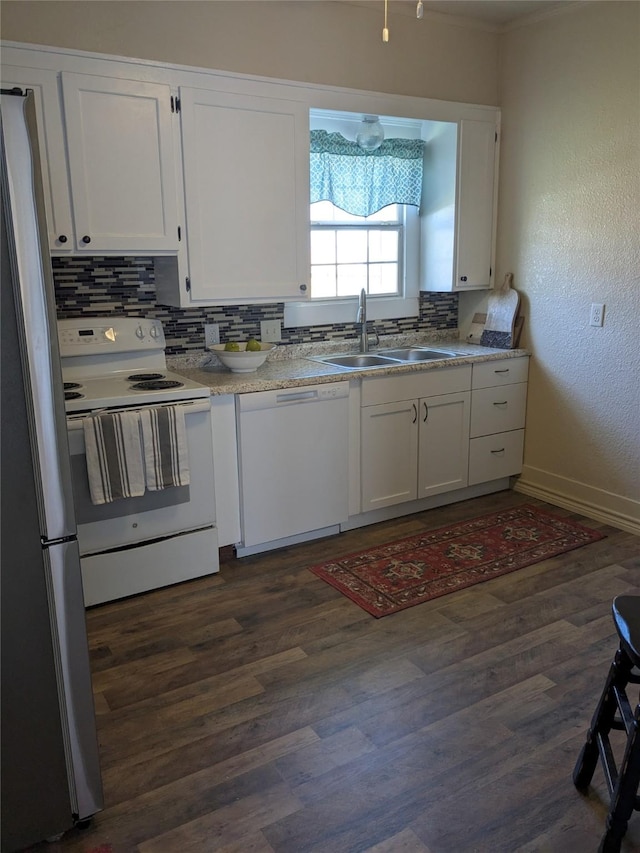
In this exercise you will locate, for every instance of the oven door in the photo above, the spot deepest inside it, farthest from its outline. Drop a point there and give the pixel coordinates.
(154, 515)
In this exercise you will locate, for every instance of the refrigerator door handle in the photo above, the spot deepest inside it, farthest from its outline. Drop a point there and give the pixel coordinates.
(68, 625)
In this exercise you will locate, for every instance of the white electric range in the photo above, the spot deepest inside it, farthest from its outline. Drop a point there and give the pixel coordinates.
(118, 362)
(133, 545)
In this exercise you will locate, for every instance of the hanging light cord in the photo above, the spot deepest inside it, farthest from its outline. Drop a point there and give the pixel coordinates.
(385, 31)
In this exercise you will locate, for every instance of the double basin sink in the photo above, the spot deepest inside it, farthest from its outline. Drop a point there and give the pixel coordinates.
(386, 358)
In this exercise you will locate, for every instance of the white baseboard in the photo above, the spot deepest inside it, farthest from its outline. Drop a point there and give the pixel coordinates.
(578, 497)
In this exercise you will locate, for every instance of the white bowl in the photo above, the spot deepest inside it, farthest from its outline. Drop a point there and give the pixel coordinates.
(242, 361)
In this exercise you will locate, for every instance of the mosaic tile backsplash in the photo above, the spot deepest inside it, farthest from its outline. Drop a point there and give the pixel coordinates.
(99, 286)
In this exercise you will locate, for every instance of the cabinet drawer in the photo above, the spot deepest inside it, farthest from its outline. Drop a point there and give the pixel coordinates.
(409, 386)
(504, 371)
(498, 409)
(494, 456)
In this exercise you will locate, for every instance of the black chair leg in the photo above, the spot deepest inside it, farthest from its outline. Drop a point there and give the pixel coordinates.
(602, 720)
(624, 798)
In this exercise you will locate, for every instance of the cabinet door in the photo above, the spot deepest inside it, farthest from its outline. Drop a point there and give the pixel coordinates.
(53, 161)
(121, 162)
(246, 164)
(475, 195)
(443, 455)
(389, 454)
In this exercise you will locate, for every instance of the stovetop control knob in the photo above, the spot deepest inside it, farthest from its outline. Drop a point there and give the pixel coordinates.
(154, 331)
(140, 332)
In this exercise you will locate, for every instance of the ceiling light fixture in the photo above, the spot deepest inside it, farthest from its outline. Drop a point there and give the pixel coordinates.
(385, 29)
(370, 134)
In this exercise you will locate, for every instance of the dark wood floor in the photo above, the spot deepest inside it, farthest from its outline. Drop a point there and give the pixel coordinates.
(260, 710)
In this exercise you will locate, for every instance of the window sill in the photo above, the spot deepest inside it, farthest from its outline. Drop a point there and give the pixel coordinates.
(344, 311)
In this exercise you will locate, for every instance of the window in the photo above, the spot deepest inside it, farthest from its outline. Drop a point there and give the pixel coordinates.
(364, 226)
(349, 252)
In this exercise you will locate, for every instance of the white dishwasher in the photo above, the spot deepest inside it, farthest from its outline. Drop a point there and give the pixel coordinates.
(293, 451)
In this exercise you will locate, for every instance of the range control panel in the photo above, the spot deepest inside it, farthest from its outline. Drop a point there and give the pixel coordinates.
(96, 335)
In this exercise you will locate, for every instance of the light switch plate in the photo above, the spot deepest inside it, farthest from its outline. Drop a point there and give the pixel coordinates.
(211, 334)
(271, 330)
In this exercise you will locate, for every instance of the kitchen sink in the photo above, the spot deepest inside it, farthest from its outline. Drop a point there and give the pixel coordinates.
(357, 360)
(418, 354)
(384, 358)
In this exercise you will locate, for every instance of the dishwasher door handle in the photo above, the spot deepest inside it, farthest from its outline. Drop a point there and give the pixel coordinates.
(256, 401)
(297, 397)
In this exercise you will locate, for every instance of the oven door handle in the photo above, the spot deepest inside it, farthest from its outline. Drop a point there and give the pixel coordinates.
(74, 421)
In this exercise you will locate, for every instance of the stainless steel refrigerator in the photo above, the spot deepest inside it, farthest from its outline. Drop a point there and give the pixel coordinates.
(50, 772)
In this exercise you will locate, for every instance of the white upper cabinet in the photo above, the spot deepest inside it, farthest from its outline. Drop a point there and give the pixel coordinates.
(476, 172)
(121, 164)
(246, 184)
(458, 210)
(53, 159)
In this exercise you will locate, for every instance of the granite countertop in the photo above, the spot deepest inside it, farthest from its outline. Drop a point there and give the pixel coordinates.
(289, 366)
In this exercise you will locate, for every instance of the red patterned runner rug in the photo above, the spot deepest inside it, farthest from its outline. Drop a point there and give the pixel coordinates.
(409, 571)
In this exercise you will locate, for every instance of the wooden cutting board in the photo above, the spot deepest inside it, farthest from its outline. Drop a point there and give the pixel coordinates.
(502, 310)
(476, 329)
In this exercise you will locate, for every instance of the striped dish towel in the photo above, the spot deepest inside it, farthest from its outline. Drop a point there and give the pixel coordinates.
(164, 443)
(113, 452)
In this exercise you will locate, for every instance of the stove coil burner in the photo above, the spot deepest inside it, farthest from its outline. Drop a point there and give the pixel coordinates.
(144, 377)
(73, 395)
(69, 385)
(157, 385)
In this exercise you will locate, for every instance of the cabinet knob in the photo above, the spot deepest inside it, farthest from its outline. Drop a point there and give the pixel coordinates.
(303, 287)
(86, 239)
(62, 238)
(463, 278)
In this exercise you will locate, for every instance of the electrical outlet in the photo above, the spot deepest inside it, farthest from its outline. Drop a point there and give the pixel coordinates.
(596, 317)
(271, 330)
(211, 334)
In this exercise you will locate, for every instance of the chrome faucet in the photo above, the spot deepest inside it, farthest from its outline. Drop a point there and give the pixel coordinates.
(361, 318)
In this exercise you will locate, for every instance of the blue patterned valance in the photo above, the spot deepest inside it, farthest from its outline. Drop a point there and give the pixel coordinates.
(363, 182)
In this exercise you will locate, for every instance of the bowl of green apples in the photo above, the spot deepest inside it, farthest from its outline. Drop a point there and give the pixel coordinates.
(243, 357)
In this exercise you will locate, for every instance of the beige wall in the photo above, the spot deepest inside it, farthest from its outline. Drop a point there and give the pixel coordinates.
(569, 220)
(313, 41)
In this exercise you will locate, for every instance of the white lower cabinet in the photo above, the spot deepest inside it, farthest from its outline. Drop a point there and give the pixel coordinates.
(416, 446)
(443, 450)
(389, 453)
(498, 409)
